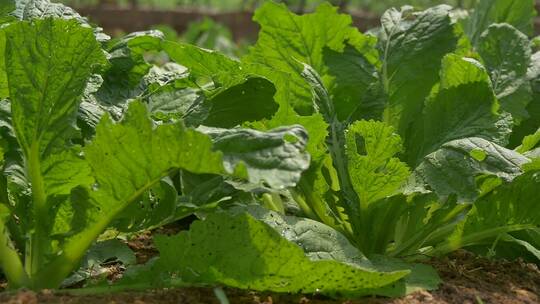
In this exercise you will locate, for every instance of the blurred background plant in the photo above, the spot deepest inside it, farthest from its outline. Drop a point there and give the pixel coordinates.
(226, 25)
(375, 6)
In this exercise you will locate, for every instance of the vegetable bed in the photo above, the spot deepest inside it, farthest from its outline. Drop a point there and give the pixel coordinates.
(324, 162)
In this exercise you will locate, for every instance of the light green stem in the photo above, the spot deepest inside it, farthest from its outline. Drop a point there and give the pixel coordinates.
(271, 203)
(10, 261)
(475, 238)
(38, 240)
(52, 275)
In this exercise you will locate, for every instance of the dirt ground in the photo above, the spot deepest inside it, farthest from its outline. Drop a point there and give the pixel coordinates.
(467, 279)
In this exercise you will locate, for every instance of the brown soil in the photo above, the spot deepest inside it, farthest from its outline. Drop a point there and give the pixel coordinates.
(467, 279)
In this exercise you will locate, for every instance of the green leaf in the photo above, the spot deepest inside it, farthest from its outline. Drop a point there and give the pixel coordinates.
(201, 62)
(506, 54)
(349, 77)
(374, 170)
(531, 124)
(320, 242)
(412, 49)
(286, 39)
(45, 91)
(127, 159)
(220, 241)
(233, 95)
(317, 240)
(4, 90)
(518, 13)
(529, 142)
(454, 169)
(250, 100)
(124, 80)
(40, 9)
(127, 57)
(276, 158)
(457, 70)
(505, 209)
(464, 106)
(422, 277)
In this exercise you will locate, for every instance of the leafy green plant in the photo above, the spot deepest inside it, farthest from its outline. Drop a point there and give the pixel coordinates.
(58, 196)
(445, 107)
(418, 138)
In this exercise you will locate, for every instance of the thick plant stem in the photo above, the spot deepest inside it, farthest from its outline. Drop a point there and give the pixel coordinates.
(273, 203)
(10, 261)
(38, 240)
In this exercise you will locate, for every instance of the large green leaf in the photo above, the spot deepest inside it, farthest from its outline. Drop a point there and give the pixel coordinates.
(286, 39)
(127, 159)
(506, 54)
(518, 13)
(376, 176)
(320, 242)
(45, 84)
(411, 54)
(458, 166)
(239, 251)
(464, 106)
(45, 91)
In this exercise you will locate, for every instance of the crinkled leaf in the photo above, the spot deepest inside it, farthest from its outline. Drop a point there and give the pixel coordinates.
(245, 253)
(233, 96)
(127, 159)
(320, 242)
(276, 157)
(127, 57)
(45, 91)
(454, 168)
(286, 39)
(39, 9)
(374, 170)
(123, 81)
